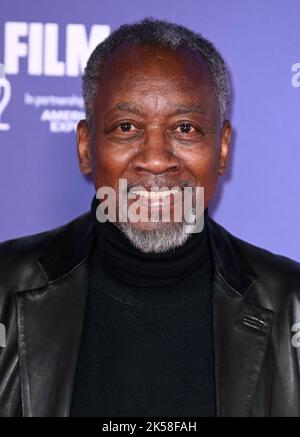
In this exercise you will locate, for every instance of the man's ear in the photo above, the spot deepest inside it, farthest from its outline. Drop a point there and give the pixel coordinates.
(224, 149)
(83, 147)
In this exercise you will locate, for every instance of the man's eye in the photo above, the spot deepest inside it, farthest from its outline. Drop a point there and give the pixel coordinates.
(185, 128)
(126, 126)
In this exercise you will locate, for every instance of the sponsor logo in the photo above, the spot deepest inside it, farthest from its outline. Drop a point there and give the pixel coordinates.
(47, 49)
(39, 45)
(5, 96)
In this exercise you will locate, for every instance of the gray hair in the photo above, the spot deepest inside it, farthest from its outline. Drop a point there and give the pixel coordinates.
(149, 31)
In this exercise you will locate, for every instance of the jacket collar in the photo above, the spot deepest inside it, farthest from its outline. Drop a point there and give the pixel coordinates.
(69, 247)
(241, 325)
(229, 261)
(50, 320)
(60, 258)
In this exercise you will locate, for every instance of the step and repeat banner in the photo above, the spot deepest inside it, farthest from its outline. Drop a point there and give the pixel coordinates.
(44, 46)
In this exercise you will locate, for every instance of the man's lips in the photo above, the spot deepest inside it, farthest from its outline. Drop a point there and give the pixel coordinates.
(155, 194)
(155, 198)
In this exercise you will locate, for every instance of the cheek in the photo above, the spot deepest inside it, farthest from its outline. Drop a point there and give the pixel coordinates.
(107, 166)
(205, 170)
(203, 164)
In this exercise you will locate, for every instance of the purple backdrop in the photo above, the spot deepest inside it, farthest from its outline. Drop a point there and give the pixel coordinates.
(40, 184)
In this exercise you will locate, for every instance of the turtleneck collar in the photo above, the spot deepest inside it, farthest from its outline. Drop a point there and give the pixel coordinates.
(140, 269)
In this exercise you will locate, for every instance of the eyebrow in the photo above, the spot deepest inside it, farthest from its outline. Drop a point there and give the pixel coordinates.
(138, 110)
(128, 107)
(182, 109)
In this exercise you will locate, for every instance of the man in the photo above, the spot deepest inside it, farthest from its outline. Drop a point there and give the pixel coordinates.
(146, 318)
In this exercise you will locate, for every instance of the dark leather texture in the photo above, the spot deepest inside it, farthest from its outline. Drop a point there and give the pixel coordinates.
(43, 289)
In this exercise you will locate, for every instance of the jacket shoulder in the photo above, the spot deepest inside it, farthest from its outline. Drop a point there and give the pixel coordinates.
(18, 256)
(278, 277)
(263, 260)
(244, 264)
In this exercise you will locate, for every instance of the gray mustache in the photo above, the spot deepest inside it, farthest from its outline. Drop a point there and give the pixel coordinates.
(159, 185)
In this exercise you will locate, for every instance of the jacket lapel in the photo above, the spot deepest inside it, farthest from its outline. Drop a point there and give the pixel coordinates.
(241, 333)
(50, 320)
(241, 328)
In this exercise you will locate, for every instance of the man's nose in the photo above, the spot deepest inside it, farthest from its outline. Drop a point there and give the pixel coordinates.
(156, 155)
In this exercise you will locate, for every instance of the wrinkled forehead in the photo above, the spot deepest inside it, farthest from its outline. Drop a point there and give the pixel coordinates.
(155, 61)
(134, 72)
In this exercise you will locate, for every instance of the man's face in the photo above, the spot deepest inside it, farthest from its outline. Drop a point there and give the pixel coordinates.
(155, 122)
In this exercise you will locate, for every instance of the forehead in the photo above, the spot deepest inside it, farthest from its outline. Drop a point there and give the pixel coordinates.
(148, 73)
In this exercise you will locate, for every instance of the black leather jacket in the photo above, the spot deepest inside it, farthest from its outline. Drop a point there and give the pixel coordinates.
(43, 287)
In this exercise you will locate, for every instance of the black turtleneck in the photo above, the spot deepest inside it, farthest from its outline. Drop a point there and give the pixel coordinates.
(146, 347)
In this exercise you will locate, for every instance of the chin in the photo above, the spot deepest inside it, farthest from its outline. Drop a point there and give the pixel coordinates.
(151, 226)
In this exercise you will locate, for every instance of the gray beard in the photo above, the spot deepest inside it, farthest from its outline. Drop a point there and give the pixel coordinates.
(166, 237)
(155, 240)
